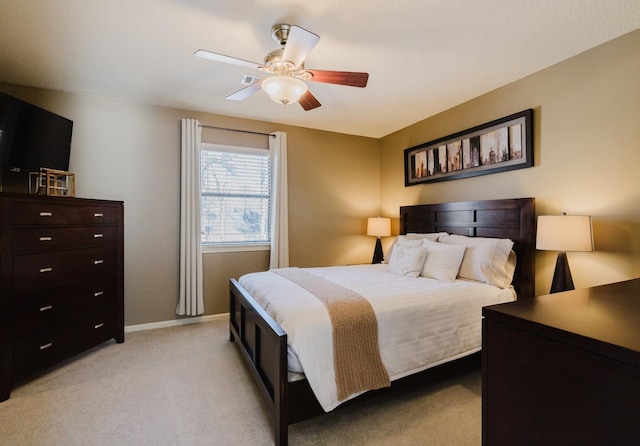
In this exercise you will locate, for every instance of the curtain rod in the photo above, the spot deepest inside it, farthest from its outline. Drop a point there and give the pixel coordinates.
(236, 130)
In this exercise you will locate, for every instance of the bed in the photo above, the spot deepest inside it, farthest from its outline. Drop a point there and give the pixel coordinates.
(264, 343)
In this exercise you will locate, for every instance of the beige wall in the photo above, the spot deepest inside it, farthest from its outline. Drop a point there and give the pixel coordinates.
(128, 151)
(586, 152)
(586, 134)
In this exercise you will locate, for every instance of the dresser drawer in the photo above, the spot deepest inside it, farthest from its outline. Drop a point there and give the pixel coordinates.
(47, 347)
(32, 272)
(45, 309)
(43, 213)
(52, 238)
(34, 352)
(102, 325)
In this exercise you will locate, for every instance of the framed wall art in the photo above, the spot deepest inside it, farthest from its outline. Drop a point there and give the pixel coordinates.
(497, 146)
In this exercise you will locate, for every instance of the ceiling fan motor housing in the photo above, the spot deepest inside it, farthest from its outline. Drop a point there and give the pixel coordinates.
(273, 63)
(280, 33)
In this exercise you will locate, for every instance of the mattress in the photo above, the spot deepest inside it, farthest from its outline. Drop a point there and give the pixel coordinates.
(422, 322)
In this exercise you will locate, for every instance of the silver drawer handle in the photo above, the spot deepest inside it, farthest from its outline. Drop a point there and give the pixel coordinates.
(48, 307)
(98, 235)
(100, 325)
(46, 346)
(45, 239)
(46, 214)
(98, 293)
(98, 262)
(98, 214)
(46, 270)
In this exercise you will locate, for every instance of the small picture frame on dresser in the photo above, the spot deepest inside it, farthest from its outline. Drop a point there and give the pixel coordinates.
(52, 182)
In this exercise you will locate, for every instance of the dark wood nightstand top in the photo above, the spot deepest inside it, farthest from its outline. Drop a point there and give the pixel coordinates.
(604, 319)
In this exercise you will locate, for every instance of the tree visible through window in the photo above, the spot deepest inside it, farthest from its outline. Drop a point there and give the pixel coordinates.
(235, 195)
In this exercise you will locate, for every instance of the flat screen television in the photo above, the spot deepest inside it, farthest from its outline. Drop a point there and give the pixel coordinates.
(31, 137)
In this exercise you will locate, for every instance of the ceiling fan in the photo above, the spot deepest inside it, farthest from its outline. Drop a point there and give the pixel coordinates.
(286, 64)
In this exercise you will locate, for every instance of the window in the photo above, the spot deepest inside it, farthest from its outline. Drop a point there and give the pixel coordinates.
(235, 195)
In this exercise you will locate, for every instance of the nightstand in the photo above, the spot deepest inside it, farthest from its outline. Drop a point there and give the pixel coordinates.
(563, 368)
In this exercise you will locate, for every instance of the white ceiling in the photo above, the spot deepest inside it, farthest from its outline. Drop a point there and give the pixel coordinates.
(423, 56)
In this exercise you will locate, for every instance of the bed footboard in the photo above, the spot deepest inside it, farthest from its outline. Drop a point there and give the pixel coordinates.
(263, 344)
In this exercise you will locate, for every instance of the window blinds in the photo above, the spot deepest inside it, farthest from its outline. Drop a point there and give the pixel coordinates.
(235, 196)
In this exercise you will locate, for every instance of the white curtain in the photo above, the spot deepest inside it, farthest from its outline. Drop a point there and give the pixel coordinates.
(191, 302)
(279, 202)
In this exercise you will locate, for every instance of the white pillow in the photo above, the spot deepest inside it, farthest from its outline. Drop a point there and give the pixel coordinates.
(412, 239)
(433, 236)
(485, 259)
(401, 240)
(510, 266)
(407, 260)
(443, 261)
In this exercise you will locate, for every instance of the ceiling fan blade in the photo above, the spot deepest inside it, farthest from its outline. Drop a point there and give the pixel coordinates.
(308, 101)
(349, 78)
(246, 91)
(204, 54)
(299, 44)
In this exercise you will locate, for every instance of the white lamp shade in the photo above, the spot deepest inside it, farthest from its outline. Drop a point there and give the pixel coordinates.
(564, 233)
(284, 89)
(379, 226)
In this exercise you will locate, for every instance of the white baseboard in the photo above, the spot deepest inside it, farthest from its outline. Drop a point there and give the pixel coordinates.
(176, 322)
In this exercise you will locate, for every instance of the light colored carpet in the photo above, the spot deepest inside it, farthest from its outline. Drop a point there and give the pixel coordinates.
(189, 386)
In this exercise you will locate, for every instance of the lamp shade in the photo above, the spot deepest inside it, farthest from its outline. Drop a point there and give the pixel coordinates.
(284, 89)
(379, 226)
(564, 233)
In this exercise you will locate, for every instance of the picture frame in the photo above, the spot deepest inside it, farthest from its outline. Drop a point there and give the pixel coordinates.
(497, 146)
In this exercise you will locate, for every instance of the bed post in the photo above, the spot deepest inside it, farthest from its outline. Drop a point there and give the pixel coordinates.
(281, 421)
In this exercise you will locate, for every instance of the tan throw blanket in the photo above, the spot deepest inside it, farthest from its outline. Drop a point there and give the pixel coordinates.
(356, 354)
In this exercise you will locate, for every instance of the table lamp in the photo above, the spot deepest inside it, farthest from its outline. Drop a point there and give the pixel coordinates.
(378, 227)
(563, 233)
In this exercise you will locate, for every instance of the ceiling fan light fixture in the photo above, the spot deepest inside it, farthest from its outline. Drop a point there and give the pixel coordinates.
(284, 89)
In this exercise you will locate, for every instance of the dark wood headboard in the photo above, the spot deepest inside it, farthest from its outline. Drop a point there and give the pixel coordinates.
(509, 218)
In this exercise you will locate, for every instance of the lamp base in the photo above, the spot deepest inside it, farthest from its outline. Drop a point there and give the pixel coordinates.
(378, 255)
(562, 280)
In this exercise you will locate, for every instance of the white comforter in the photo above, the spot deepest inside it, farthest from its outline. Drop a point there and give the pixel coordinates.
(421, 322)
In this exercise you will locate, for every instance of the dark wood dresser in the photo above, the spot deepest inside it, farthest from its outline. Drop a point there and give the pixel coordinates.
(563, 369)
(61, 280)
